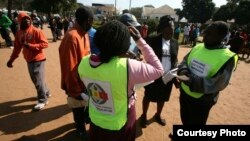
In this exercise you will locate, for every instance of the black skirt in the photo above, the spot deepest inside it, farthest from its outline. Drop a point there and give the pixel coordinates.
(158, 91)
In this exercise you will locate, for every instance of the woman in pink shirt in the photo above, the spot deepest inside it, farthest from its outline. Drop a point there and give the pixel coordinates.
(113, 41)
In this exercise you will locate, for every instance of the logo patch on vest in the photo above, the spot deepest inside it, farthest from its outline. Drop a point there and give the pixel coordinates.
(100, 96)
(199, 68)
(97, 93)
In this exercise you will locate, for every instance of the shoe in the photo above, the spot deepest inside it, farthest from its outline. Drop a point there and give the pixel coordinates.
(83, 134)
(40, 106)
(11, 47)
(159, 120)
(170, 135)
(49, 95)
(143, 121)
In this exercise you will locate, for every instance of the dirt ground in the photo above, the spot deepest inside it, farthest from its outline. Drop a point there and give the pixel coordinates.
(55, 122)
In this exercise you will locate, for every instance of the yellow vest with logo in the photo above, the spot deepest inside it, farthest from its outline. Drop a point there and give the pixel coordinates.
(107, 88)
(206, 63)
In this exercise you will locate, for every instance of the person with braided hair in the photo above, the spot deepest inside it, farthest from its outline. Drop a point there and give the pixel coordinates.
(110, 78)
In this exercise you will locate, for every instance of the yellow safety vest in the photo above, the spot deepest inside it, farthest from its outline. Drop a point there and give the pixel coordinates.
(206, 63)
(107, 88)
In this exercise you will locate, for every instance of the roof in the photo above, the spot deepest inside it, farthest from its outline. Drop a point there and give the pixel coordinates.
(164, 10)
(147, 10)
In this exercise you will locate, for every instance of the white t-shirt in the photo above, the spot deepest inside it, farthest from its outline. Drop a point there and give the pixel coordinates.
(186, 30)
(166, 58)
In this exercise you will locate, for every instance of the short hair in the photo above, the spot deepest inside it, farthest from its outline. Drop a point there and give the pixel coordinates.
(112, 39)
(164, 21)
(83, 14)
(221, 27)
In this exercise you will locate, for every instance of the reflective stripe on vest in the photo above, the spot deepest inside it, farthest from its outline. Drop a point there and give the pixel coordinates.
(206, 65)
(107, 87)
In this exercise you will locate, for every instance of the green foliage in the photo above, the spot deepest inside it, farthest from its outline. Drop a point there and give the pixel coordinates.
(16, 4)
(180, 13)
(136, 11)
(54, 6)
(152, 25)
(224, 13)
(233, 1)
(242, 13)
(198, 11)
(234, 9)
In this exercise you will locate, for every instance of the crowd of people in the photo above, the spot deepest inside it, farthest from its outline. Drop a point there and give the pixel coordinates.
(58, 25)
(191, 32)
(237, 40)
(88, 58)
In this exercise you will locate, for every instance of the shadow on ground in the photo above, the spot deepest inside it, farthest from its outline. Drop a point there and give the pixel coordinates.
(71, 135)
(14, 117)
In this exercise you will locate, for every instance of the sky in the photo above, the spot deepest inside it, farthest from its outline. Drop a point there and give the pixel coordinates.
(124, 4)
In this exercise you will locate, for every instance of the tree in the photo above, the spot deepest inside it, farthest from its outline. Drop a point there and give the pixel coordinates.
(137, 11)
(242, 13)
(234, 1)
(179, 13)
(198, 11)
(54, 6)
(226, 12)
(223, 13)
(9, 8)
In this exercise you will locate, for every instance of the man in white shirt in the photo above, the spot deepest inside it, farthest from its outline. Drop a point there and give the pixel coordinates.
(186, 31)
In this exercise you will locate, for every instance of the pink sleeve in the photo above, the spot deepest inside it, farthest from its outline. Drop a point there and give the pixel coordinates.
(140, 72)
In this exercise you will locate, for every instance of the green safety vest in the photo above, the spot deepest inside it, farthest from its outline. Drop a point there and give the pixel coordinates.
(107, 88)
(206, 63)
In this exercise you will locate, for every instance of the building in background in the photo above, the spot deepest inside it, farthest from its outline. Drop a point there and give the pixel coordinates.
(149, 12)
(104, 10)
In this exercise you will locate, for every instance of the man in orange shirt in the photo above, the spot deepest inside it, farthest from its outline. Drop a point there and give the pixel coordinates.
(33, 42)
(74, 46)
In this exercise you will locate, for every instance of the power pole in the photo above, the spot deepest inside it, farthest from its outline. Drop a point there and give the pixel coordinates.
(9, 7)
(115, 8)
(129, 5)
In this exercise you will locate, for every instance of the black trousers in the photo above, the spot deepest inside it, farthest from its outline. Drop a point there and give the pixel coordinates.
(81, 117)
(6, 36)
(194, 111)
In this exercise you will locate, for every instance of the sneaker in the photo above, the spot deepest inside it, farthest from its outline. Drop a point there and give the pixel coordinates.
(159, 120)
(11, 47)
(40, 106)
